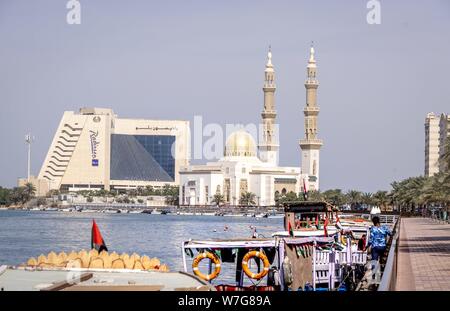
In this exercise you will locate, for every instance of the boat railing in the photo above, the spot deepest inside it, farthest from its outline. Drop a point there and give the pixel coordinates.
(389, 276)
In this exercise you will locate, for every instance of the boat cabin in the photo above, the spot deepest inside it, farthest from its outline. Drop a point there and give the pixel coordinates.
(308, 214)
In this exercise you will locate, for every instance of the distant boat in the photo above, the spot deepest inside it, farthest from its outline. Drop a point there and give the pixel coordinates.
(156, 212)
(35, 209)
(135, 212)
(276, 216)
(88, 211)
(110, 211)
(234, 215)
(209, 214)
(66, 210)
(50, 209)
(123, 211)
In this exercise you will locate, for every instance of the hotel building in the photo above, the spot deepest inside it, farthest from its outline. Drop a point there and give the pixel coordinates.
(94, 149)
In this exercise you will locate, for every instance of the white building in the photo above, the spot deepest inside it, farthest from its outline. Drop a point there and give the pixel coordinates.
(245, 168)
(94, 149)
(444, 132)
(431, 144)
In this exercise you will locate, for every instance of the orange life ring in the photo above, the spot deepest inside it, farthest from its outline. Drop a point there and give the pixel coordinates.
(260, 255)
(211, 257)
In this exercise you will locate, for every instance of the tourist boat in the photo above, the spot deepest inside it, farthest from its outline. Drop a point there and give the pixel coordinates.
(286, 264)
(308, 255)
(308, 219)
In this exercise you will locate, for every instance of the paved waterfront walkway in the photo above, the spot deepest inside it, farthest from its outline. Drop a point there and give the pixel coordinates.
(423, 255)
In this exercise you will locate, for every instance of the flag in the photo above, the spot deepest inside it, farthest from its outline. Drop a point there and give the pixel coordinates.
(325, 226)
(291, 231)
(97, 241)
(305, 192)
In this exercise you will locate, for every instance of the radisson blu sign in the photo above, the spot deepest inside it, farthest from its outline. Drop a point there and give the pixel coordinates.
(93, 136)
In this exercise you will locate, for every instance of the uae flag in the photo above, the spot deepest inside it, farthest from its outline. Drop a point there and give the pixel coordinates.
(305, 192)
(97, 241)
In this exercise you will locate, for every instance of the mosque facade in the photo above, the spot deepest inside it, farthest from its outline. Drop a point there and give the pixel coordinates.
(247, 168)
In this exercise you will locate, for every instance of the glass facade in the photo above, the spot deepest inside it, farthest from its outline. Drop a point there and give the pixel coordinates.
(142, 158)
(160, 148)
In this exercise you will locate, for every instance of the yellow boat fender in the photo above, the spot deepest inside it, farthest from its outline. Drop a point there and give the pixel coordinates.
(214, 260)
(260, 255)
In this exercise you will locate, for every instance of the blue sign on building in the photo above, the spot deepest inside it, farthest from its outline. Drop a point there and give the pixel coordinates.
(94, 162)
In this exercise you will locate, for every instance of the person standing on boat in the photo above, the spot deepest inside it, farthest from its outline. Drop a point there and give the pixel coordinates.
(377, 240)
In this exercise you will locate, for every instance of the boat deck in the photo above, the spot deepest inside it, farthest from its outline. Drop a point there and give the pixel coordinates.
(97, 280)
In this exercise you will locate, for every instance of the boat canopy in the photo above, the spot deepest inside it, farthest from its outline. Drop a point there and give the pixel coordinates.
(309, 206)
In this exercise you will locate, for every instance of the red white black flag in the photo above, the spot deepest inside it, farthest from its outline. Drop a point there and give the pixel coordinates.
(97, 241)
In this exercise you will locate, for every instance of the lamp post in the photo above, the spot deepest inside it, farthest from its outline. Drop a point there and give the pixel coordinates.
(28, 140)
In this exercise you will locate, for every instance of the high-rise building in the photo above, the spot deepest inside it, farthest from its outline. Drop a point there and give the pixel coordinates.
(311, 144)
(431, 144)
(94, 149)
(444, 132)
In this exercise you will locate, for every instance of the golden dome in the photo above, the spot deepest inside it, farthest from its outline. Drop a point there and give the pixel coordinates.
(241, 144)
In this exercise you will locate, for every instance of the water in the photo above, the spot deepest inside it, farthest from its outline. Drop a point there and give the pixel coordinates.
(25, 234)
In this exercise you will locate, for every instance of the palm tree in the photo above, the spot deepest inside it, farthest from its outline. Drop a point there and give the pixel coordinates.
(218, 199)
(247, 198)
(29, 190)
(334, 196)
(172, 194)
(353, 198)
(315, 195)
(381, 199)
(367, 199)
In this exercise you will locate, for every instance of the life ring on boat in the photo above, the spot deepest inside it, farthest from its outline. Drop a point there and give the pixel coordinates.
(260, 255)
(211, 257)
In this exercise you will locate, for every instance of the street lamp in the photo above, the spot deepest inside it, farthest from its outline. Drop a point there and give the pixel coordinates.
(28, 140)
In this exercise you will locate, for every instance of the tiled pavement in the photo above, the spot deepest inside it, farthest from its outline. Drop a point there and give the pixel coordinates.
(423, 255)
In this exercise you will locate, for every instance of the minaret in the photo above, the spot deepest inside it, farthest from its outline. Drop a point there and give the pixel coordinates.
(268, 149)
(311, 145)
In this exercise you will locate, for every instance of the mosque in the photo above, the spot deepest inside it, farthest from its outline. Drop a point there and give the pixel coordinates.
(250, 168)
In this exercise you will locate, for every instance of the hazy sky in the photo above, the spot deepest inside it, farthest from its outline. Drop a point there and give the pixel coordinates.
(177, 59)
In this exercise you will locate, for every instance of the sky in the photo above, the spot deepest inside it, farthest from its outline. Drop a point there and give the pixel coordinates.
(179, 59)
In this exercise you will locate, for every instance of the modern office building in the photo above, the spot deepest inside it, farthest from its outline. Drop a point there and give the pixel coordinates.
(250, 168)
(94, 149)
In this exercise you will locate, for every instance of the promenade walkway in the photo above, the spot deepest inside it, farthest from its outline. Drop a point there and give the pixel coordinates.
(423, 255)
